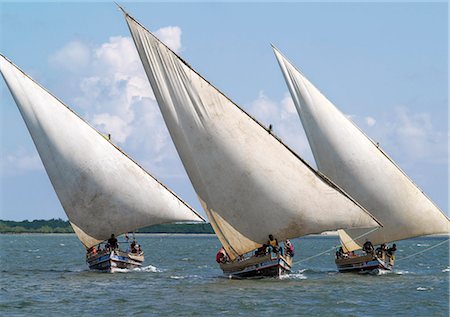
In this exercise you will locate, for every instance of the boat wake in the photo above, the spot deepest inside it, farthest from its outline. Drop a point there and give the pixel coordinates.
(145, 269)
(148, 268)
(401, 272)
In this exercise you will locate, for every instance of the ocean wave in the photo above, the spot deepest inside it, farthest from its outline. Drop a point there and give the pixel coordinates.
(148, 268)
(424, 288)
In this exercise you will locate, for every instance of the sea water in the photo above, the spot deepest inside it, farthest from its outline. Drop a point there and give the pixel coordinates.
(46, 275)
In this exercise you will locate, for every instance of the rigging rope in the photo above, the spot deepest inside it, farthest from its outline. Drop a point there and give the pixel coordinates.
(333, 248)
(432, 247)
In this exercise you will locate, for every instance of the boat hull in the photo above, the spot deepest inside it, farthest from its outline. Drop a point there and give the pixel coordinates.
(364, 263)
(114, 261)
(263, 266)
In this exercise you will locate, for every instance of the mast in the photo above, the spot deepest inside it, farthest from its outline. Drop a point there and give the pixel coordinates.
(358, 165)
(249, 183)
(100, 188)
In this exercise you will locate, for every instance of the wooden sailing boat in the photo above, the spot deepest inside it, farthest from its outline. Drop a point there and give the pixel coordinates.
(360, 167)
(101, 189)
(249, 183)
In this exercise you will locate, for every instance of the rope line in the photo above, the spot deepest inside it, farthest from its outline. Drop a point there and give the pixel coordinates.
(432, 247)
(333, 248)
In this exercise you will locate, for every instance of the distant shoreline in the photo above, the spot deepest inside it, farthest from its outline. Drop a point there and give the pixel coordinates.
(59, 226)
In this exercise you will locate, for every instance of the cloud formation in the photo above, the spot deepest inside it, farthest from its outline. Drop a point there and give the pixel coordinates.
(409, 137)
(74, 56)
(285, 122)
(115, 96)
(21, 161)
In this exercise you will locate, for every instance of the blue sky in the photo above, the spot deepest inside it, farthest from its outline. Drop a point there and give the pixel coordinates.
(385, 65)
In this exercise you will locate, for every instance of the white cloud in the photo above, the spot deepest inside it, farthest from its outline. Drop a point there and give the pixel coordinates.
(20, 161)
(115, 96)
(410, 138)
(285, 122)
(73, 56)
(370, 121)
(171, 36)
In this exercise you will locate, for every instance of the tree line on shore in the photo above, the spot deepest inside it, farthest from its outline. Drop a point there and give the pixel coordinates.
(63, 226)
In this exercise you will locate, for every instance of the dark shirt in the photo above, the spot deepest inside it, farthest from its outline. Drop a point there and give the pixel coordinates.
(112, 242)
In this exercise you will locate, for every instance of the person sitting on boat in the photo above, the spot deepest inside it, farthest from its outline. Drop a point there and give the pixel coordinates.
(340, 253)
(289, 248)
(368, 247)
(273, 244)
(221, 256)
(113, 242)
(261, 251)
(92, 251)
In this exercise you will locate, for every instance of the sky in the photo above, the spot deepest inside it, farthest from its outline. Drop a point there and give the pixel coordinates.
(385, 65)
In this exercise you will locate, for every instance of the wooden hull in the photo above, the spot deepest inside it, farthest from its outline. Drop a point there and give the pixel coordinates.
(114, 261)
(364, 263)
(269, 265)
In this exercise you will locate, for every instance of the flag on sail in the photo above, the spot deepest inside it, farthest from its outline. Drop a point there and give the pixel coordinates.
(361, 168)
(100, 188)
(249, 183)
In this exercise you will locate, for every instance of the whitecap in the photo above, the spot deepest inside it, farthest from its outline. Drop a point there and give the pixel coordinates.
(62, 244)
(401, 272)
(446, 270)
(175, 277)
(422, 245)
(424, 288)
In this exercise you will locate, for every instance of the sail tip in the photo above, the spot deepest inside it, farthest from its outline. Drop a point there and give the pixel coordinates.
(121, 8)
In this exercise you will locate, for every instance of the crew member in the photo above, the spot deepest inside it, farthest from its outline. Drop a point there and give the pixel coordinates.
(113, 242)
(273, 243)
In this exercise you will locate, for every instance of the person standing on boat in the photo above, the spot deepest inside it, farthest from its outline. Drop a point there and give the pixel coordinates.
(273, 243)
(289, 248)
(392, 250)
(381, 250)
(113, 242)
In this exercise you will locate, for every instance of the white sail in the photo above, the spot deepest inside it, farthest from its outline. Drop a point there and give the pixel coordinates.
(354, 162)
(101, 189)
(250, 184)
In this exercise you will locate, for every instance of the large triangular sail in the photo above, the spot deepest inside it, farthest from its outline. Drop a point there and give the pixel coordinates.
(359, 166)
(249, 183)
(101, 189)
